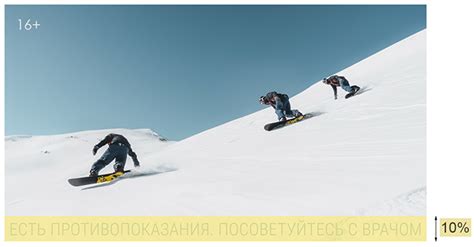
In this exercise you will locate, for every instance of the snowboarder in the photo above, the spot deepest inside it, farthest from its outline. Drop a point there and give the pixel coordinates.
(118, 149)
(281, 104)
(340, 81)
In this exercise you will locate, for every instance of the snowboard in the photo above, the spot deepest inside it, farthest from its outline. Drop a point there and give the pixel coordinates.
(96, 180)
(280, 124)
(352, 93)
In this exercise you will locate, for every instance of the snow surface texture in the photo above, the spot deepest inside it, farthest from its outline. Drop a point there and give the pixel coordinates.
(360, 156)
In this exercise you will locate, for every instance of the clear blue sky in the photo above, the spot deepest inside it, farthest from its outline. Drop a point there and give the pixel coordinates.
(179, 70)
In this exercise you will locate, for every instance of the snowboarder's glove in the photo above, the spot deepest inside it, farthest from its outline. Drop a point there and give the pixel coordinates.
(335, 96)
(136, 163)
(94, 150)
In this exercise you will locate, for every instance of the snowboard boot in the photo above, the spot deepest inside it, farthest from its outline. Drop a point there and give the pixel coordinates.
(118, 168)
(282, 119)
(355, 89)
(93, 173)
(298, 114)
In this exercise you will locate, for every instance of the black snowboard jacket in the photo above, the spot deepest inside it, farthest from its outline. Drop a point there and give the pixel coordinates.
(334, 85)
(273, 97)
(118, 139)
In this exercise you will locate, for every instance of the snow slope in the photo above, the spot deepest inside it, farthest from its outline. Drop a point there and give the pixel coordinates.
(361, 156)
